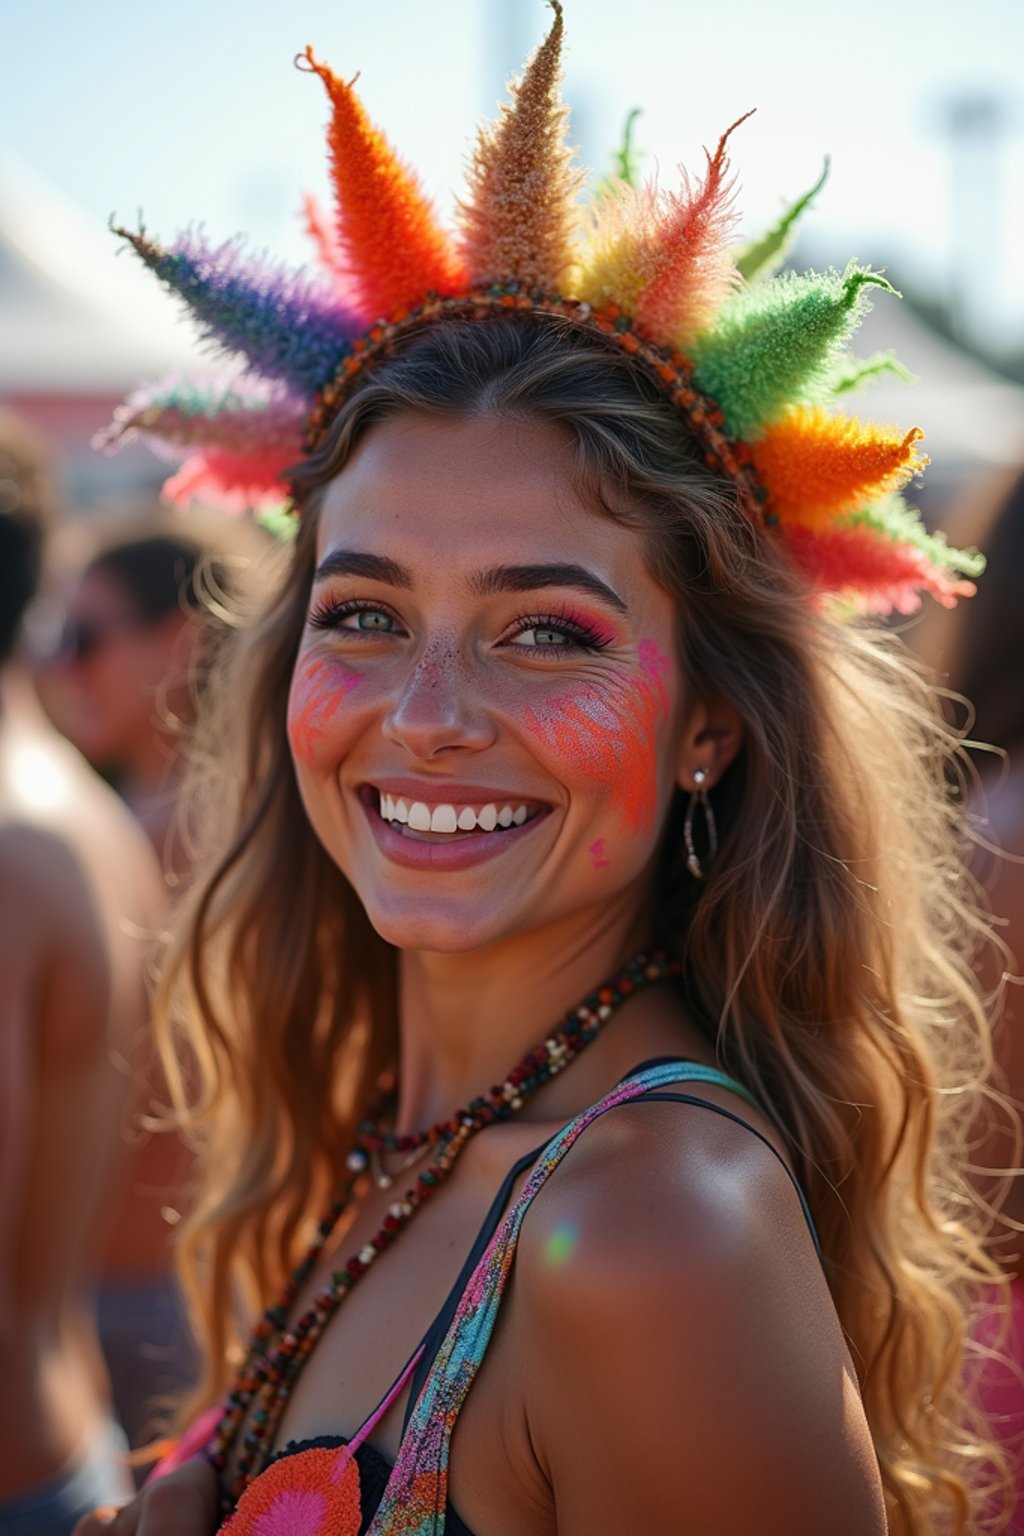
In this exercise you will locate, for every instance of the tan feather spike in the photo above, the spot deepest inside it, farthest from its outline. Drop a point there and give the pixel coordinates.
(519, 221)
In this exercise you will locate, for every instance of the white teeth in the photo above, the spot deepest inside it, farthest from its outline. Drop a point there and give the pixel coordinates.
(445, 819)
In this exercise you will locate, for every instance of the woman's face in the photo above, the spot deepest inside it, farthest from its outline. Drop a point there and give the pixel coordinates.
(112, 684)
(480, 645)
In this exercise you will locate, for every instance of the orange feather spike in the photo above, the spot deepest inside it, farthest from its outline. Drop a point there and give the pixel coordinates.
(815, 467)
(519, 223)
(388, 233)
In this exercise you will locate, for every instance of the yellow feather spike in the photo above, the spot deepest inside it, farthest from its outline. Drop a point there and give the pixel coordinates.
(519, 221)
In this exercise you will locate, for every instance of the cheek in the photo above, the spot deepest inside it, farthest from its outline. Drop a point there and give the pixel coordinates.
(319, 689)
(612, 738)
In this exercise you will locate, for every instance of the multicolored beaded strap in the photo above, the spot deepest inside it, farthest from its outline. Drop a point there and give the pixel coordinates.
(667, 368)
(416, 1496)
(280, 1346)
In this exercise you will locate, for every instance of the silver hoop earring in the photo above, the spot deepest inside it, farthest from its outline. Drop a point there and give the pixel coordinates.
(699, 797)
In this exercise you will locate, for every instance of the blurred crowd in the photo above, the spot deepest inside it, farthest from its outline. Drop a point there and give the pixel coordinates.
(106, 630)
(107, 627)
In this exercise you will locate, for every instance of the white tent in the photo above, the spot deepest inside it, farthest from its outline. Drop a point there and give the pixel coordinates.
(75, 316)
(973, 418)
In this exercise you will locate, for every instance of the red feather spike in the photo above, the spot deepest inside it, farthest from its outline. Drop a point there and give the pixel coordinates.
(322, 235)
(391, 241)
(691, 263)
(875, 574)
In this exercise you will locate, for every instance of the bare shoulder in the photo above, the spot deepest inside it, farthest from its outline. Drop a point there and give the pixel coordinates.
(675, 1308)
(667, 1193)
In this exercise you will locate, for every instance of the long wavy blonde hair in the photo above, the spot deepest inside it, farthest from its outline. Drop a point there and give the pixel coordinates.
(832, 941)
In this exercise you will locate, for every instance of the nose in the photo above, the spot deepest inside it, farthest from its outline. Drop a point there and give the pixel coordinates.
(439, 708)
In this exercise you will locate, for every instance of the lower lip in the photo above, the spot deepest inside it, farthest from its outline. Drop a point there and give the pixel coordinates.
(460, 853)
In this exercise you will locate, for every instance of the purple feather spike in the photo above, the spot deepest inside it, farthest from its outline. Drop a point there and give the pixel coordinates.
(287, 324)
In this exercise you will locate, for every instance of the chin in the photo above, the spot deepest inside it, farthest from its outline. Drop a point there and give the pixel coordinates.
(423, 927)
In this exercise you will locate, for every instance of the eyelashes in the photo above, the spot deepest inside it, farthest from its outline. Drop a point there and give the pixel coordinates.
(578, 633)
(328, 615)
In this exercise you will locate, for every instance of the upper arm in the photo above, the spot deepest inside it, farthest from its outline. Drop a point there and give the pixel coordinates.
(54, 971)
(20, 946)
(688, 1372)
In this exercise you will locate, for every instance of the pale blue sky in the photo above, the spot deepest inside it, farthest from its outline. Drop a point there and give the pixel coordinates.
(193, 111)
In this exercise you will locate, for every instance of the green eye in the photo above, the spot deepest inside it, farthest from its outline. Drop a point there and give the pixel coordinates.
(373, 618)
(546, 637)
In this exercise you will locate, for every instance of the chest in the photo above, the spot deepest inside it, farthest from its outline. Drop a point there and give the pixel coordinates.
(385, 1316)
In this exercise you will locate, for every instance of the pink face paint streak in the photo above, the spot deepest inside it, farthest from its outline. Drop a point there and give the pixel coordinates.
(317, 691)
(613, 739)
(596, 851)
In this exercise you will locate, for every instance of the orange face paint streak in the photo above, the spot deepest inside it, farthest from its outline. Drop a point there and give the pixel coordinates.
(596, 851)
(315, 696)
(613, 739)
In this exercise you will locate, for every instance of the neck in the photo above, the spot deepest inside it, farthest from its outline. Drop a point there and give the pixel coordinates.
(467, 1019)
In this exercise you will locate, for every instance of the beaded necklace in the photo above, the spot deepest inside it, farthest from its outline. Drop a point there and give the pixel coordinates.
(278, 1350)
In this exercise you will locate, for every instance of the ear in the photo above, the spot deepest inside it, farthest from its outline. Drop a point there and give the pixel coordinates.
(711, 739)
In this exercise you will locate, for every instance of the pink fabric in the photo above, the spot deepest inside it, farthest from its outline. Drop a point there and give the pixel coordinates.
(190, 1444)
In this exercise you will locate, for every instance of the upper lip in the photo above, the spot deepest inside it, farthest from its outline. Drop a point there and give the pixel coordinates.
(444, 792)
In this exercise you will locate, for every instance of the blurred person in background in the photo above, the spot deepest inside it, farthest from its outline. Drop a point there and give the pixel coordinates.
(979, 651)
(139, 625)
(79, 893)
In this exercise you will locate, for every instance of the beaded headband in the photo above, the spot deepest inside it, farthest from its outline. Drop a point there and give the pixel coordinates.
(752, 358)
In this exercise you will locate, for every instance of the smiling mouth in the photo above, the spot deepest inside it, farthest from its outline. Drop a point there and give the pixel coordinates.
(440, 822)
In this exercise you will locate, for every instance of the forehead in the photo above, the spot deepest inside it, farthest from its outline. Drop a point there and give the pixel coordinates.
(437, 492)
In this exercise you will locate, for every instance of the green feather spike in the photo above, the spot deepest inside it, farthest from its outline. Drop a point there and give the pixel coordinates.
(761, 257)
(778, 343)
(279, 520)
(625, 169)
(852, 372)
(901, 523)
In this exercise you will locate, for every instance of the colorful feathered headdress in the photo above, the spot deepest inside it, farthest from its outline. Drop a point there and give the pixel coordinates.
(753, 359)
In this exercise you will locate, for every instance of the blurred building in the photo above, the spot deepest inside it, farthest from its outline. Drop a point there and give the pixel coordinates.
(79, 327)
(973, 417)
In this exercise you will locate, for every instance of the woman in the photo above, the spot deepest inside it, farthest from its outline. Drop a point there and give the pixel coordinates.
(139, 619)
(585, 922)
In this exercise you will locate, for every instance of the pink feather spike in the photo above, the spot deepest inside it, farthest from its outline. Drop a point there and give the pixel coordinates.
(665, 258)
(231, 482)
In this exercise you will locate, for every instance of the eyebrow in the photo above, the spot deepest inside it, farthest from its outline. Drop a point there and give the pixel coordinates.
(485, 583)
